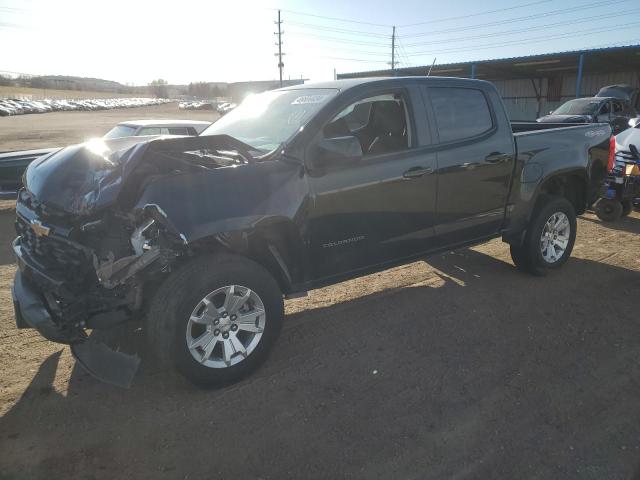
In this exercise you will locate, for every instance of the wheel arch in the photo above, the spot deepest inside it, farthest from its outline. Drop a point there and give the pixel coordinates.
(274, 243)
(570, 184)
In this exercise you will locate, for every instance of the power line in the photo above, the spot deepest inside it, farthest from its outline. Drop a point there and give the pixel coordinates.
(351, 59)
(439, 20)
(293, 12)
(527, 40)
(541, 27)
(339, 30)
(363, 52)
(338, 39)
(383, 52)
(516, 19)
(403, 52)
(624, 43)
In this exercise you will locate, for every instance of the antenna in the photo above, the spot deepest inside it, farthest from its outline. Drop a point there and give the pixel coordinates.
(434, 62)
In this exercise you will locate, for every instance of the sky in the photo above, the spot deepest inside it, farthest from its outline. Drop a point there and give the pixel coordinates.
(136, 41)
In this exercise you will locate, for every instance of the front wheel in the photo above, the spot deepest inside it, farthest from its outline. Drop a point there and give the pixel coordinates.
(549, 239)
(216, 319)
(627, 207)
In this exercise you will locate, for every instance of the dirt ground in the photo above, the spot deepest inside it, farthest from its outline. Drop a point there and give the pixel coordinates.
(58, 129)
(457, 367)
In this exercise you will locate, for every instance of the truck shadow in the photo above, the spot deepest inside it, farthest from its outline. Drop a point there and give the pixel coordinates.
(486, 370)
(630, 224)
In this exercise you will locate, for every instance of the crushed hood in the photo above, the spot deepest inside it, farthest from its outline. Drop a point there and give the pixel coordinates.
(85, 178)
(81, 178)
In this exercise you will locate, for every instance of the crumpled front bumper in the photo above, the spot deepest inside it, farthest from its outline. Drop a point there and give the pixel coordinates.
(31, 311)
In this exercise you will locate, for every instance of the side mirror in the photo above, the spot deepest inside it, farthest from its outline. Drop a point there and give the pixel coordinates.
(634, 122)
(337, 151)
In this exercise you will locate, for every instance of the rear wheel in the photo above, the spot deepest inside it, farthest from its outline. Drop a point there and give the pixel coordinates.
(549, 239)
(608, 210)
(627, 207)
(216, 319)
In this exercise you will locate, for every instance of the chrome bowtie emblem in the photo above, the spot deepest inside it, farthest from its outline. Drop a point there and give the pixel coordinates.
(39, 229)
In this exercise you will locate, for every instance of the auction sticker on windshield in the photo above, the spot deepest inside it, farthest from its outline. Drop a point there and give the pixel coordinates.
(305, 99)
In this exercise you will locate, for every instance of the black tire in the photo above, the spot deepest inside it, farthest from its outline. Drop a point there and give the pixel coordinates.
(176, 298)
(520, 257)
(528, 257)
(608, 210)
(627, 207)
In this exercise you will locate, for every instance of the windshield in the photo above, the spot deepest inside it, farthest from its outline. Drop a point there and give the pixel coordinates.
(120, 131)
(578, 107)
(267, 119)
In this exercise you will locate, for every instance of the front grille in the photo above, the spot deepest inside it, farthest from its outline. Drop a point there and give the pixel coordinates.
(51, 251)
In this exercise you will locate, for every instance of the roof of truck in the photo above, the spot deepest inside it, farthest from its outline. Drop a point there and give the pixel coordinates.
(347, 83)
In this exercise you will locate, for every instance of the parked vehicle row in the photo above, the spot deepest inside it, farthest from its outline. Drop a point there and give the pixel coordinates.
(16, 106)
(198, 105)
(225, 108)
(221, 108)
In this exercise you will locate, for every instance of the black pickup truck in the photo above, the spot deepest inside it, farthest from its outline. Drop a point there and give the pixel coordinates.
(296, 189)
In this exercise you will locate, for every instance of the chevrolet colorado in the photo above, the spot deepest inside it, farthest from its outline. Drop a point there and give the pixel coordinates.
(297, 188)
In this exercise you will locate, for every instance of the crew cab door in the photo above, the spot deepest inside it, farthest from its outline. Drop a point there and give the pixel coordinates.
(475, 160)
(381, 206)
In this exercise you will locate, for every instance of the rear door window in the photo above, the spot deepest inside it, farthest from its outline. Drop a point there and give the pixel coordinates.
(461, 113)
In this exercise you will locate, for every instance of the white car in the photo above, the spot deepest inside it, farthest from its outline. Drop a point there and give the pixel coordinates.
(630, 136)
(137, 128)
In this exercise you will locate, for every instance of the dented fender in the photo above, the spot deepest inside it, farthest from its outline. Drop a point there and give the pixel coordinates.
(254, 209)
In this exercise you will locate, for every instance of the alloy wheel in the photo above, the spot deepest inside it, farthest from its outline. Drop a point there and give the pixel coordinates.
(225, 326)
(555, 237)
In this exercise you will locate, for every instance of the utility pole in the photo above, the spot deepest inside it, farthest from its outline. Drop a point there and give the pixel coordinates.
(393, 49)
(279, 45)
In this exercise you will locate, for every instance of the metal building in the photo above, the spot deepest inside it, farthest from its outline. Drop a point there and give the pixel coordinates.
(533, 85)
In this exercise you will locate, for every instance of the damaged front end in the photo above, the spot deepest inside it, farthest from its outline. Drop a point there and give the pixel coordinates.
(89, 275)
(86, 251)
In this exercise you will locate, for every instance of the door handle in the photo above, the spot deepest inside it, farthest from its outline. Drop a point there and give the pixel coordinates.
(497, 157)
(416, 172)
